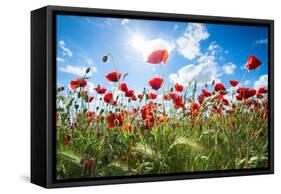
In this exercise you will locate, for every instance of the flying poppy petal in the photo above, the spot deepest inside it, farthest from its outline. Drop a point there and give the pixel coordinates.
(158, 56)
(113, 76)
(252, 63)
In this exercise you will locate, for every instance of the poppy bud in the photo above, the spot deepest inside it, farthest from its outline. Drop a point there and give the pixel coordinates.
(105, 58)
(88, 70)
(116, 122)
(76, 106)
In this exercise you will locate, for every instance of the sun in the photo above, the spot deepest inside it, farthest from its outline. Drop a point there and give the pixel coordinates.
(138, 42)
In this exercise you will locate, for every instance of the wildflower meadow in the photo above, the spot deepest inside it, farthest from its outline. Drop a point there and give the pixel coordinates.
(113, 129)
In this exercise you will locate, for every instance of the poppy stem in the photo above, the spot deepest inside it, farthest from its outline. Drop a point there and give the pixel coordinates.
(163, 88)
(113, 61)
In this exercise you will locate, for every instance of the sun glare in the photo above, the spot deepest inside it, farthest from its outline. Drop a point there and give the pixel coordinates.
(138, 42)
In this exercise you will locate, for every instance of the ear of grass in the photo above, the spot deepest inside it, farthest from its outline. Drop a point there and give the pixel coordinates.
(69, 156)
(185, 142)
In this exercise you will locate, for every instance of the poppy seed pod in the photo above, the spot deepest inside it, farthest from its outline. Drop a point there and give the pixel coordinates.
(105, 58)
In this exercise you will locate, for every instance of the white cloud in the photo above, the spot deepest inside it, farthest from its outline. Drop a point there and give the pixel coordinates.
(89, 62)
(262, 82)
(204, 72)
(90, 86)
(188, 44)
(243, 67)
(229, 68)
(78, 70)
(60, 59)
(124, 22)
(65, 50)
(94, 69)
(247, 82)
(262, 41)
(213, 46)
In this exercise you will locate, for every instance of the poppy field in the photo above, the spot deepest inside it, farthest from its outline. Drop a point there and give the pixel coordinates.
(164, 128)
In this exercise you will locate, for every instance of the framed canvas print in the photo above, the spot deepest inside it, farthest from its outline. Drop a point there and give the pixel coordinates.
(125, 96)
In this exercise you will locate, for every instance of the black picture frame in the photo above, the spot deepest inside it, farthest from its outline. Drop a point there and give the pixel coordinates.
(43, 95)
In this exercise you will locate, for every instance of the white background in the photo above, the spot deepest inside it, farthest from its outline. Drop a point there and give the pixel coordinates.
(15, 94)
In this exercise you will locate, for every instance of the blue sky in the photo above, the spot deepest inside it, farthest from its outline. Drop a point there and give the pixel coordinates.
(202, 52)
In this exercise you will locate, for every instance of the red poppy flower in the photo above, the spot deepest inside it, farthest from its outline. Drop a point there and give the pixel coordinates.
(90, 116)
(234, 83)
(225, 102)
(194, 106)
(113, 103)
(89, 165)
(178, 87)
(252, 63)
(246, 92)
(134, 110)
(140, 96)
(201, 98)
(128, 128)
(158, 56)
(217, 110)
(91, 98)
(66, 140)
(147, 116)
(108, 97)
(155, 83)
(134, 98)
(161, 119)
(219, 87)
(100, 90)
(206, 93)
(78, 83)
(239, 97)
(123, 87)
(83, 83)
(129, 93)
(178, 101)
(152, 96)
(113, 120)
(259, 96)
(113, 76)
(166, 97)
(262, 90)
(173, 95)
